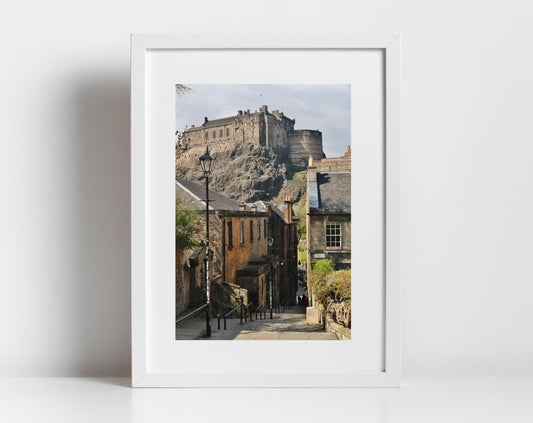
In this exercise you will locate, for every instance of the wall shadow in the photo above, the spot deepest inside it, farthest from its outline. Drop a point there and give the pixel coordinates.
(101, 131)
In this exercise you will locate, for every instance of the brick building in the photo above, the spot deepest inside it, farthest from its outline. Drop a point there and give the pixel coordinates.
(283, 230)
(238, 240)
(263, 128)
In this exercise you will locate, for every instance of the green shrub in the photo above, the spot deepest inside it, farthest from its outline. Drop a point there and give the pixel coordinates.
(332, 290)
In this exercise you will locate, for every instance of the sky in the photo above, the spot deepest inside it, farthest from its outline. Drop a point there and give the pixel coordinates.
(322, 107)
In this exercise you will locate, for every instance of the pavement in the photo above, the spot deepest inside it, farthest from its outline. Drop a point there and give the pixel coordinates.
(287, 325)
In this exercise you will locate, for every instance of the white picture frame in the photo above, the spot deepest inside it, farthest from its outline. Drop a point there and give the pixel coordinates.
(144, 372)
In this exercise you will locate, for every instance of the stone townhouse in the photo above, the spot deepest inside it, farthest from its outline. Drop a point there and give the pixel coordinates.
(328, 217)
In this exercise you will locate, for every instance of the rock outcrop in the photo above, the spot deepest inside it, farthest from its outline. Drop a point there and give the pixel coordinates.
(244, 172)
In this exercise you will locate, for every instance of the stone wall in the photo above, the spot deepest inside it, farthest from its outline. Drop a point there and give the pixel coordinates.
(195, 275)
(182, 283)
(342, 333)
(335, 164)
(316, 238)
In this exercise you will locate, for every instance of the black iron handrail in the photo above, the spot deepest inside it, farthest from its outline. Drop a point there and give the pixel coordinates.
(217, 314)
(213, 300)
(181, 319)
(248, 309)
(238, 306)
(284, 304)
(261, 310)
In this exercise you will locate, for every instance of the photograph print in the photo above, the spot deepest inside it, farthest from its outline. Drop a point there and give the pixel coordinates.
(263, 212)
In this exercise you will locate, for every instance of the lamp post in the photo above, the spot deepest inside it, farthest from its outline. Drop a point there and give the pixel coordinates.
(270, 244)
(207, 162)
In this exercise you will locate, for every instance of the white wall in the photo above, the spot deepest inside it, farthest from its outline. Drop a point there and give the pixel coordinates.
(466, 173)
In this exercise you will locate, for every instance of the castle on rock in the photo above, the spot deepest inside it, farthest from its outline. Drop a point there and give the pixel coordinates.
(261, 128)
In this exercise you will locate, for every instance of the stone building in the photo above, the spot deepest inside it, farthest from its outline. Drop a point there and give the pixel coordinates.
(328, 217)
(262, 128)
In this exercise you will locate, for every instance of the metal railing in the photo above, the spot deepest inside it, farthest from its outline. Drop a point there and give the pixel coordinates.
(213, 309)
(181, 319)
(238, 306)
(260, 311)
(284, 304)
(248, 310)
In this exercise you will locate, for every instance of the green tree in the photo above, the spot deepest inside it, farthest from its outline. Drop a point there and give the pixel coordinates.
(187, 224)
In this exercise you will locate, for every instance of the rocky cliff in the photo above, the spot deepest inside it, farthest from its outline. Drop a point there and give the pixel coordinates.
(244, 172)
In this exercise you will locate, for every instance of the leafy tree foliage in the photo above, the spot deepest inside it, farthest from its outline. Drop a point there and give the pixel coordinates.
(187, 224)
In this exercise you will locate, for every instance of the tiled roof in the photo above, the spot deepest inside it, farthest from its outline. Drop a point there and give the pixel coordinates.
(196, 192)
(333, 191)
(262, 205)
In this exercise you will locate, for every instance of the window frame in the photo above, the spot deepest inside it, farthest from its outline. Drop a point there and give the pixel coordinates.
(329, 237)
(251, 230)
(230, 234)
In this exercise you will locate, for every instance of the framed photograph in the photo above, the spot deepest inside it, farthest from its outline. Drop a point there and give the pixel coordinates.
(265, 210)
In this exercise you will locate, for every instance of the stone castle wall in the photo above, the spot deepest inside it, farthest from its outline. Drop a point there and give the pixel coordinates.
(335, 164)
(303, 144)
(262, 128)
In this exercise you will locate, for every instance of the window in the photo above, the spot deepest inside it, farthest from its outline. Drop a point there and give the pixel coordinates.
(206, 135)
(221, 133)
(264, 228)
(333, 236)
(214, 134)
(242, 232)
(227, 132)
(258, 229)
(230, 234)
(251, 231)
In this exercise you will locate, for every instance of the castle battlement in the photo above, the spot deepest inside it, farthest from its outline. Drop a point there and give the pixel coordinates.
(262, 128)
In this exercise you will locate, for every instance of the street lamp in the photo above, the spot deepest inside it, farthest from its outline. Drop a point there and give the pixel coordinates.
(270, 244)
(207, 162)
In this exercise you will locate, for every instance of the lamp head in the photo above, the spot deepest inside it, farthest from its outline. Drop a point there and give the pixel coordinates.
(206, 161)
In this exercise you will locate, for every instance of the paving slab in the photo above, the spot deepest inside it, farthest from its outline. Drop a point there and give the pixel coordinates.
(287, 325)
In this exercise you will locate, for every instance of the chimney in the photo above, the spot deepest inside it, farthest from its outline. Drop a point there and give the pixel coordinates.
(242, 206)
(348, 152)
(264, 108)
(288, 209)
(205, 119)
(311, 170)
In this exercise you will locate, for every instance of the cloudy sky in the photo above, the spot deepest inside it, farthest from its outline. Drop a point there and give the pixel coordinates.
(322, 107)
